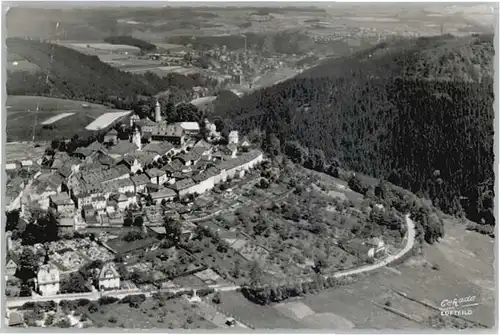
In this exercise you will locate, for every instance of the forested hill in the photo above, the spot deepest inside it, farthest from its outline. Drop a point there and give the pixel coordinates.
(381, 116)
(74, 75)
(442, 57)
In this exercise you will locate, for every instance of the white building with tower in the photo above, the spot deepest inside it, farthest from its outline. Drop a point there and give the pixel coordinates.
(157, 112)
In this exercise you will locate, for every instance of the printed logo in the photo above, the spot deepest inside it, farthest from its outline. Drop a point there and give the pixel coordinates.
(460, 306)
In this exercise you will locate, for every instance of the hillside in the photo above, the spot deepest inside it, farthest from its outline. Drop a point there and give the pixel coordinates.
(425, 129)
(77, 76)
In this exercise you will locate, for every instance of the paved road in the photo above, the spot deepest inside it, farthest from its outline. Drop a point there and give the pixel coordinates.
(410, 241)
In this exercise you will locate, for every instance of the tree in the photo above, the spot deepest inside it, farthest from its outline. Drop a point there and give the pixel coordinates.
(28, 265)
(216, 298)
(173, 229)
(321, 262)
(138, 221)
(12, 220)
(75, 283)
(256, 274)
(264, 183)
(128, 220)
(271, 144)
(296, 152)
(356, 185)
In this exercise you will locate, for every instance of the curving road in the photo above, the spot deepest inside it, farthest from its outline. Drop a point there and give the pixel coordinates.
(410, 242)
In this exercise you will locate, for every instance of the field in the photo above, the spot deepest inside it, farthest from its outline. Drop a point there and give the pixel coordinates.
(102, 47)
(22, 65)
(56, 118)
(20, 117)
(273, 78)
(106, 120)
(15, 151)
(172, 314)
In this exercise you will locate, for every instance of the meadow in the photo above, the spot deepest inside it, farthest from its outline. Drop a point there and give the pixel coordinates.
(21, 116)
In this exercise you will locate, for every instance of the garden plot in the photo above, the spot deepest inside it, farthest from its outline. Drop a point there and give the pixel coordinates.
(56, 118)
(106, 120)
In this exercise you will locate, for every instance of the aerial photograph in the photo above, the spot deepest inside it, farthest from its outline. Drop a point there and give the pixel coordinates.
(249, 167)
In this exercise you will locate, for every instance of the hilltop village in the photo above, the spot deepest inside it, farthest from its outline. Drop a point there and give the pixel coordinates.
(157, 172)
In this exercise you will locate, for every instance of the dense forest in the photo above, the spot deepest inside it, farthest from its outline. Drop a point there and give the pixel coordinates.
(132, 41)
(378, 114)
(74, 75)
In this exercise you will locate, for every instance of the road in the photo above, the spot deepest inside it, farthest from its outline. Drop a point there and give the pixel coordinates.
(410, 241)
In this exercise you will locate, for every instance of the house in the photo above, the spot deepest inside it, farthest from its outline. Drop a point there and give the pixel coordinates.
(188, 159)
(163, 194)
(131, 162)
(230, 150)
(159, 148)
(48, 280)
(109, 278)
(14, 194)
(140, 181)
(15, 319)
(377, 247)
(12, 166)
(190, 128)
(172, 133)
(147, 126)
(233, 137)
(121, 148)
(27, 164)
(63, 204)
(111, 137)
(10, 267)
(156, 176)
(123, 200)
(44, 187)
(184, 187)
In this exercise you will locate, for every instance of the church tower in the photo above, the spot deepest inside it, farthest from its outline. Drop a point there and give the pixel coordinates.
(157, 112)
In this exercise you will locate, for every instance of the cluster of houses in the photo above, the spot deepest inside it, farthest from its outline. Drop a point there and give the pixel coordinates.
(161, 161)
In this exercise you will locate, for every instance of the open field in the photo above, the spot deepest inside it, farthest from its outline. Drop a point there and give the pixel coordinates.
(104, 47)
(22, 65)
(261, 317)
(106, 120)
(56, 118)
(273, 78)
(151, 314)
(15, 151)
(21, 116)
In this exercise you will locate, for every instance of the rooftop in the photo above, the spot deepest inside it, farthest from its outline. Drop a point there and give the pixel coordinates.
(61, 199)
(140, 179)
(154, 172)
(158, 147)
(164, 193)
(182, 184)
(190, 126)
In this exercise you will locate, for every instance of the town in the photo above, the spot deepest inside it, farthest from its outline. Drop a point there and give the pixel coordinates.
(249, 167)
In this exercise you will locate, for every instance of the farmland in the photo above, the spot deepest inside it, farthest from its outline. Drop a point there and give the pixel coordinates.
(21, 116)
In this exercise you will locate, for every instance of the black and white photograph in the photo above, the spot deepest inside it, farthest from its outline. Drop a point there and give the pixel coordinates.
(249, 166)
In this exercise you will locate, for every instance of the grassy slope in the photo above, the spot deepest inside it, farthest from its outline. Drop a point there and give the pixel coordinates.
(20, 117)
